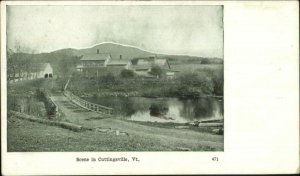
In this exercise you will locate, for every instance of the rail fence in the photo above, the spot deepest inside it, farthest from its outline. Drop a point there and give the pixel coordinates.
(88, 105)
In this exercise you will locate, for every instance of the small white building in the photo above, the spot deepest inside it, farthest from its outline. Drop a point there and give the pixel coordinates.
(46, 71)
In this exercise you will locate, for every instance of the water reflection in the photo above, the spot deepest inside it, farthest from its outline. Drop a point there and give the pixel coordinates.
(163, 109)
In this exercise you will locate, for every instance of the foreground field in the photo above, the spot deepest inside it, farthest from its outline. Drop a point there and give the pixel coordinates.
(24, 135)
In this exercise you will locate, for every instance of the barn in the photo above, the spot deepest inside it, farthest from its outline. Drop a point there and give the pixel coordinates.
(91, 65)
(116, 66)
(46, 71)
(144, 65)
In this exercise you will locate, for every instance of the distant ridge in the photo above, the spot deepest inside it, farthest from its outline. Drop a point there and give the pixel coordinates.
(127, 52)
(117, 49)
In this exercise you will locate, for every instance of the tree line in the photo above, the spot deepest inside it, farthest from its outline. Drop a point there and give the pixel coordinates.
(28, 65)
(22, 65)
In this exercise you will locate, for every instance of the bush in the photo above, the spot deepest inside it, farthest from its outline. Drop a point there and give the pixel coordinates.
(127, 74)
(134, 61)
(109, 79)
(158, 109)
(43, 96)
(217, 78)
(195, 84)
(156, 71)
(196, 79)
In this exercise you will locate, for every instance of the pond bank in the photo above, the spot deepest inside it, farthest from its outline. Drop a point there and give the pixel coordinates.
(135, 94)
(178, 110)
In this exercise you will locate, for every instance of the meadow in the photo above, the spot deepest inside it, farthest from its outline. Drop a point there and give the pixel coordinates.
(30, 136)
(192, 80)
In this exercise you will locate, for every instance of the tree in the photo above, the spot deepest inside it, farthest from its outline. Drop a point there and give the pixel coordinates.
(20, 62)
(127, 73)
(11, 65)
(197, 83)
(134, 61)
(218, 80)
(64, 65)
(109, 79)
(216, 76)
(156, 71)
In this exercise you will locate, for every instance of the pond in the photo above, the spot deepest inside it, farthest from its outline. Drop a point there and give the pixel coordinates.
(163, 109)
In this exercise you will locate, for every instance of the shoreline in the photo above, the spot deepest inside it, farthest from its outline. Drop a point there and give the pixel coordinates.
(136, 94)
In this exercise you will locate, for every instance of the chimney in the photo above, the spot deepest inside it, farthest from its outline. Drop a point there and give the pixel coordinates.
(120, 57)
(97, 51)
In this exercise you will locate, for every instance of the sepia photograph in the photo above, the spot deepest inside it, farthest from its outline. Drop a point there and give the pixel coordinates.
(149, 87)
(115, 78)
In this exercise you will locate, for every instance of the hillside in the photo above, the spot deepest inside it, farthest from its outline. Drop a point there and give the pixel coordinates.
(115, 50)
(130, 52)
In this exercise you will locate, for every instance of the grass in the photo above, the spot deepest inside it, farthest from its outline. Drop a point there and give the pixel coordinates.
(194, 67)
(171, 125)
(30, 136)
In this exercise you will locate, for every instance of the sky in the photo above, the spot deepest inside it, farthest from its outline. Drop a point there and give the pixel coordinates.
(187, 30)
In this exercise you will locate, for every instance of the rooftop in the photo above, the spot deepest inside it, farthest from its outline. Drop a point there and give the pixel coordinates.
(141, 67)
(117, 62)
(150, 62)
(100, 56)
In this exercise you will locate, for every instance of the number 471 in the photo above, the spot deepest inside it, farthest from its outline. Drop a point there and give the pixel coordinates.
(215, 158)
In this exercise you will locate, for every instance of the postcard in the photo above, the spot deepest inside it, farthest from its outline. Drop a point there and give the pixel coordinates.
(149, 87)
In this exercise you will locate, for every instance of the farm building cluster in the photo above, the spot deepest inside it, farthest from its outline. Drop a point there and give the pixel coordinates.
(94, 65)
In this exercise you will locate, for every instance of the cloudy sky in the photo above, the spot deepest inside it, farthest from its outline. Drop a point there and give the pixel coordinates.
(191, 30)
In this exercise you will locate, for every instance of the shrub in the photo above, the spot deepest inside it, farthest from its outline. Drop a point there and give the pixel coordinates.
(109, 79)
(127, 74)
(158, 109)
(217, 78)
(195, 84)
(134, 61)
(156, 71)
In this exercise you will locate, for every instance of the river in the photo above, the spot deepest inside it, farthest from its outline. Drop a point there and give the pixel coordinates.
(163, 109)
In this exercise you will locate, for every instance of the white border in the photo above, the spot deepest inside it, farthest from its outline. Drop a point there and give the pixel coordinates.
(261, 101)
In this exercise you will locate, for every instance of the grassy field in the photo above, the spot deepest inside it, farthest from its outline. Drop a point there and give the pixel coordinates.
(24, 135)
(195, 67)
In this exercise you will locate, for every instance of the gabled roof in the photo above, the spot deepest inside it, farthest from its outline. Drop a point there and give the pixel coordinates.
(117, 63)
(142, 67)
(46, 67)
(160, 62)
(143, 62)
(100, 56)
(148, 62)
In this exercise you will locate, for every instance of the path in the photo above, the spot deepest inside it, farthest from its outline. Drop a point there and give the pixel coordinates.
(167, 136)
(72, 112)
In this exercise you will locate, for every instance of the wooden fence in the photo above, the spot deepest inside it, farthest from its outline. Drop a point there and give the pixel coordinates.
(88, 105)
